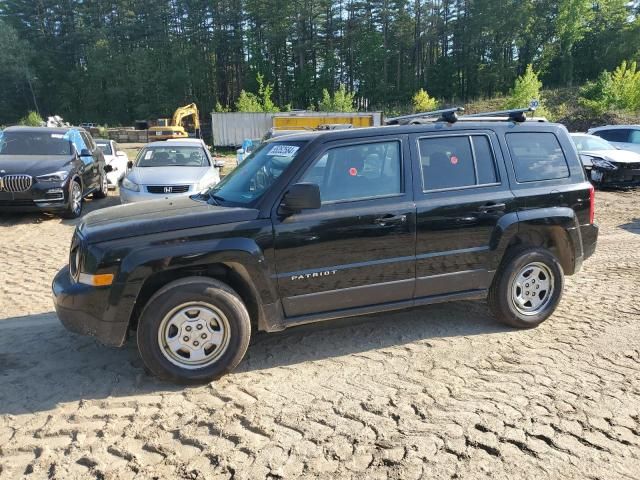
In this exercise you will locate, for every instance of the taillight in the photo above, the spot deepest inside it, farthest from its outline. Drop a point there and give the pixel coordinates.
(592, 204)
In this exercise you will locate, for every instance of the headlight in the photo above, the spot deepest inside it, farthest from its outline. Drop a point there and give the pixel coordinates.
(60, 176)
(603, 164)
(129, 185)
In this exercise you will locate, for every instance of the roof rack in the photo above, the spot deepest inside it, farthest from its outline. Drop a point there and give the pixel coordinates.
(446, 115)
(517, 115)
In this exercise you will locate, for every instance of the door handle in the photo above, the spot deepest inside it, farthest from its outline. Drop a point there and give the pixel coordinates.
(388, 220)
(492, 207)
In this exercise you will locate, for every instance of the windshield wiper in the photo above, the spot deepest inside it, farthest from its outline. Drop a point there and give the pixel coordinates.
(216, 198)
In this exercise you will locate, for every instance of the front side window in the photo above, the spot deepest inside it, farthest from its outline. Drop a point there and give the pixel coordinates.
(35, 143)
(167, 156)
(353, 172)
(537, 156)
(456, 162)
(634, 137)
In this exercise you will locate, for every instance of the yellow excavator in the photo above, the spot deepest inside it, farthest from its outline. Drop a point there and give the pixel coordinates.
(166, 130)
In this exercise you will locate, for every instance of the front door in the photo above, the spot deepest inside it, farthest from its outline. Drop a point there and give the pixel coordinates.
(462, 191)
(359, 248)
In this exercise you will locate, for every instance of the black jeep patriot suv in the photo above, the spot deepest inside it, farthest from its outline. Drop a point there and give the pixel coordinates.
(333, 224)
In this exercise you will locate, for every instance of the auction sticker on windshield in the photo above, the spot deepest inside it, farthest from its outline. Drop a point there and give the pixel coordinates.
(283, 151)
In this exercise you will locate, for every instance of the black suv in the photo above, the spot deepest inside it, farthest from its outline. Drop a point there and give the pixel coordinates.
(50, 169)
(318, 226)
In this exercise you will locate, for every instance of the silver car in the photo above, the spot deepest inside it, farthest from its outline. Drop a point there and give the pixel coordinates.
(626, 137)
(170, 168)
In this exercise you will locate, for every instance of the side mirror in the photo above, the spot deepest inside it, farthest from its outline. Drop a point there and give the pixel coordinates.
(301, 196)
(108, 168)
(130, 164)
(219, 163)
(85, 152)
(120, 154)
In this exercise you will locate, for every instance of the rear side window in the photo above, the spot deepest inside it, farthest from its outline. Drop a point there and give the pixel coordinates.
(456, 162)
(615, 134)
(537, 156)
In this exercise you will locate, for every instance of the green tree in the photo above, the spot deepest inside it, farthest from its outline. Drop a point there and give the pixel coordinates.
(422, 102)
(262, 102)
(340, 101)
(32, 119)
(527, 87)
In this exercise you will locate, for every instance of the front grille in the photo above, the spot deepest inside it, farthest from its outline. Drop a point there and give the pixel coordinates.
(15, 183)
(166, 189)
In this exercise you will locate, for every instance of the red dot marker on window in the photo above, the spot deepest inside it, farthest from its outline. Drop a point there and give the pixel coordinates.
(353, 171)
(454, 160)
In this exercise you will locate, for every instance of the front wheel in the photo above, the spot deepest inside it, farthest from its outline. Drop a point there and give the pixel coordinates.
(74, 206)
(527, 288)
(193, 330)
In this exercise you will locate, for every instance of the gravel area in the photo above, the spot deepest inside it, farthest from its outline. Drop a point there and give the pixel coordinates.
(436, 392)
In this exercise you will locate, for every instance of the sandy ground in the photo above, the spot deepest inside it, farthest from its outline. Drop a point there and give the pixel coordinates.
(436, 392)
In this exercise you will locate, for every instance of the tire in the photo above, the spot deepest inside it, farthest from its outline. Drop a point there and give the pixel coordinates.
(527, 287)
(104, 187)
(76, 201)
(193, 330)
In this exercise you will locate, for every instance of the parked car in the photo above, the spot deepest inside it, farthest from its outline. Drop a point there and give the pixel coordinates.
(606, 165)
(115, 157)
(333, 224)
(626, 137)
(50, 169)
(168, 169)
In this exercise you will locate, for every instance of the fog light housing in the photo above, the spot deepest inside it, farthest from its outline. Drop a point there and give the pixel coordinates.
(55, 190)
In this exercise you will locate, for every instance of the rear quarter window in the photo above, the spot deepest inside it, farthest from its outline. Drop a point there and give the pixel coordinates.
(537, 156)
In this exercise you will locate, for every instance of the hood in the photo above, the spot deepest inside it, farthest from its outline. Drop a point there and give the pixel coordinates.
(167, 175)
(33, 165)
(157, 216)
(617, 156)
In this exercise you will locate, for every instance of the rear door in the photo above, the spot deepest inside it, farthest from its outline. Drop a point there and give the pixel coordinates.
(462, 192)
(358, 249)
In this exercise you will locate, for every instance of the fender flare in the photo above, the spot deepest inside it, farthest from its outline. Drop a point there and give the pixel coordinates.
(141, 264)
(560, 223)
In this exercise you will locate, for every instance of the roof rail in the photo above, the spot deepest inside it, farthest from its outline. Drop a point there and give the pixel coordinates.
(517, 115)
(446, 115)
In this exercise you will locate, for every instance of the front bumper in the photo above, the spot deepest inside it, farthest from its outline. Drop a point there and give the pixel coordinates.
(81, 308)
(40, 197)
(625, 176)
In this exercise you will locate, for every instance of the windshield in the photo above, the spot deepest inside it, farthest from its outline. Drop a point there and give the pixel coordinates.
(34, 143)
(585, 143)
(253, 177)
(168, 156)
(105, 147)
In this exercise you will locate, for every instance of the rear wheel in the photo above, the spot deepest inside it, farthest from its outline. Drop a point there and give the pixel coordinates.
(74, 206)
(193, 330)
(527, 288)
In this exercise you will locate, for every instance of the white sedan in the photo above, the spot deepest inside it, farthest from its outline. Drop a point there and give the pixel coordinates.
(114, 157)
(169, 168)
(606, 165)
